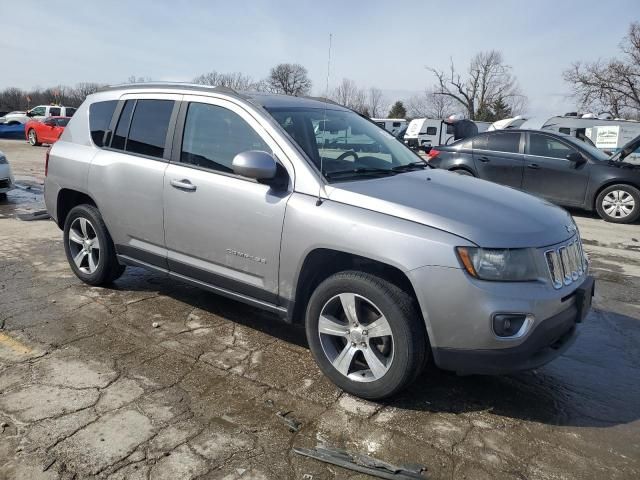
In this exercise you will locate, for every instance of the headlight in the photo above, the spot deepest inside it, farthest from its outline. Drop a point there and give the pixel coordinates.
(502, 265)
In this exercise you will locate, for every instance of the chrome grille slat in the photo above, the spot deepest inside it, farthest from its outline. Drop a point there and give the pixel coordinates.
(567, 263)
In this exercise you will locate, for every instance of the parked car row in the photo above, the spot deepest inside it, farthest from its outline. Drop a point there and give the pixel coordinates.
(37, 113)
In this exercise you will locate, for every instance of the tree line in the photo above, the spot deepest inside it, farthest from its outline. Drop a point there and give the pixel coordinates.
(485, 90)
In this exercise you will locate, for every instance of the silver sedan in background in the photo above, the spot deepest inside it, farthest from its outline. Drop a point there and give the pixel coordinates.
(6, 178)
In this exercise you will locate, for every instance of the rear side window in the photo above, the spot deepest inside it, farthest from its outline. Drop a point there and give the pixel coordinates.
(149, 127)
(122, 129)
(432, 131)
(100, 114)
(504, 142)
(54, 111)
(214, 135)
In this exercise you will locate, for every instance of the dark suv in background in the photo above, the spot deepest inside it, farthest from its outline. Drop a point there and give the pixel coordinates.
(557, 167)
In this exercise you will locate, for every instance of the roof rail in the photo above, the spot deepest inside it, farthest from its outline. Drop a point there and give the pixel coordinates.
(176, 85)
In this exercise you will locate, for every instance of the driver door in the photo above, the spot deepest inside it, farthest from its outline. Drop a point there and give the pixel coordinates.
(221, 228)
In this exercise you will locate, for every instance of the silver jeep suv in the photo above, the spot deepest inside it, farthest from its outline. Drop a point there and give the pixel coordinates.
(306, 209)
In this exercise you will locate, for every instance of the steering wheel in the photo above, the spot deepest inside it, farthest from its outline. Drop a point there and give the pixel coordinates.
(348, 153)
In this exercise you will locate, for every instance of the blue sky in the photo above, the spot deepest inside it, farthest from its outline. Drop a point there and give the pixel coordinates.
(386, 44)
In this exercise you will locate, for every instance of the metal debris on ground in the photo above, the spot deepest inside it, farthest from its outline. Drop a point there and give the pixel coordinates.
(359, 462)
(31, 216)
(291, 422)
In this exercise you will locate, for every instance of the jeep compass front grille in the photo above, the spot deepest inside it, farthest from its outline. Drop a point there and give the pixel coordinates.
(566, 263)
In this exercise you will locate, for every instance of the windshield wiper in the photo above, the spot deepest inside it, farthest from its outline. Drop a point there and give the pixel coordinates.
(411, 166)
(362, 170)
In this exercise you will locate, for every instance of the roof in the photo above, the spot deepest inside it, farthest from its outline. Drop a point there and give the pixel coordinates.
(266, 100)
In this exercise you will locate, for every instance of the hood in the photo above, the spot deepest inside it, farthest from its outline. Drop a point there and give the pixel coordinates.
(487, 214)
(626, 150)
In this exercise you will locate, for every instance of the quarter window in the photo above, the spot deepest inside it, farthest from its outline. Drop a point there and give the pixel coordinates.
(100, 114)
(544, 146)
(122, 129)
(504, 142)
(149, 126)
(214, 135)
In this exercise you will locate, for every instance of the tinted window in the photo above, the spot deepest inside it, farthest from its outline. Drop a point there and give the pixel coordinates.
(54, 111)
(120, 137)
(149, 127)
(432, 131)
(214, 135)
(62, 122)
(100, 114)
(565, 130)
(548, 147)
(504, 142)
(70, 111)
(396, 124)
(450, 129)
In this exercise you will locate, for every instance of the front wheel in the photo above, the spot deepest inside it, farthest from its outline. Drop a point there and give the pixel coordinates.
(89, 247)
(619, 204)
(366, 334)
(33, 138)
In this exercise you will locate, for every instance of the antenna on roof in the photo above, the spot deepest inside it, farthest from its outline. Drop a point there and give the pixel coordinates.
(324, 119)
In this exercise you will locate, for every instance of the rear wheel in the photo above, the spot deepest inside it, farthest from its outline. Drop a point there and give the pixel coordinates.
(619, 204)
(33, 138)
(89, 247)
(366, 334)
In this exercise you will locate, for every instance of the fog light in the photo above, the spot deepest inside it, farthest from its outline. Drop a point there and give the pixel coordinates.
(511, 324)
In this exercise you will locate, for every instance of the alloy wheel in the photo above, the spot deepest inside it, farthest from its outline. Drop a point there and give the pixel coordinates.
(32, 137)
(356, 337)
(84, 245)
(618, 204)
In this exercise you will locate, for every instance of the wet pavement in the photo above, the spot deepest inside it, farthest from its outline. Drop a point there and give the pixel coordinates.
(89, 389)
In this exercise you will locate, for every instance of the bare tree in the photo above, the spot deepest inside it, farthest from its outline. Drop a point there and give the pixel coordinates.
(612, 85)
(431, 105)
(234, 80)
(376, 104)
(290, 79)
(487, 79)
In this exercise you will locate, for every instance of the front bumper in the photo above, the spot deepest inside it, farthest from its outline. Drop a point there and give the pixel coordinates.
(548, 340)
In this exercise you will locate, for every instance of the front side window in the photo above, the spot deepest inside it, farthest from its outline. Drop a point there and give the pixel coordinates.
(214, 135)
(149, 126)
(544, 146)
(504, 142)
(100, 114)
(342, 145)
(38, 112)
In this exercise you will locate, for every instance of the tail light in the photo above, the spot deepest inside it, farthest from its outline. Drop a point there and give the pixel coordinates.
(46, 162)
(433, 153)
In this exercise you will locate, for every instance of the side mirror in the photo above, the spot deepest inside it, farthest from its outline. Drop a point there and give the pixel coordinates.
(29, 113)
(576, 157)
(255, 164)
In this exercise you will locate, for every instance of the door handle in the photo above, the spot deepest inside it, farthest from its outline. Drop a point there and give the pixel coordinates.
(533, 166)
(183, 184)
(484, 160)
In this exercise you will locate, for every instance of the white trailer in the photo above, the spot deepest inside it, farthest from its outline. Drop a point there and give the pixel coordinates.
(611, 138)
(391, 125)
(431, 132)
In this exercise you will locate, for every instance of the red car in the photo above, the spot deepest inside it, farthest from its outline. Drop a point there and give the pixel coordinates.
(47, 130)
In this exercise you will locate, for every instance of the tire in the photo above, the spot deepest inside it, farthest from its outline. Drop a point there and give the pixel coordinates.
(462, 171)
(3, 196)
(349, 346)
(33, 138)
(619, 204)
(93, 262)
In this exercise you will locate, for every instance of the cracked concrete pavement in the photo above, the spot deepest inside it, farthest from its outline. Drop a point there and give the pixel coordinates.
(89, 389)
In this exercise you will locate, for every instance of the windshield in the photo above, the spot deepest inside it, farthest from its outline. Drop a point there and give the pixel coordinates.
(344, 145)
(591, 149)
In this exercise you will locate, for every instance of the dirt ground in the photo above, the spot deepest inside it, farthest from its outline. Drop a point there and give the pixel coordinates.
(89, 389)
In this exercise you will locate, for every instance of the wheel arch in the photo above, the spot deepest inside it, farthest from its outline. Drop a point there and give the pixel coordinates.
(607, 184)
(320, 263)
(462, 167)
(67, 199)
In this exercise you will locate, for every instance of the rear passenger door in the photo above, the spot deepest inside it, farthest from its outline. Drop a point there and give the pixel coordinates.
(126, 176)
(550, 174)
(221, 228)
(498, 157)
